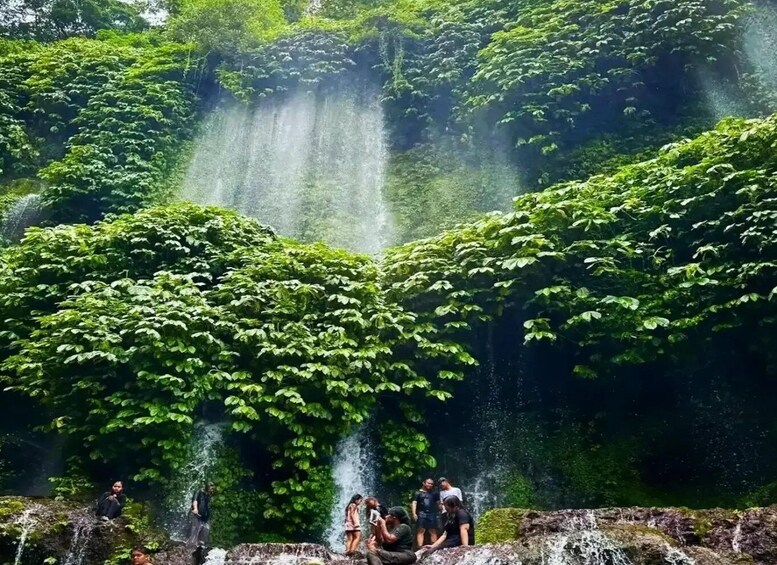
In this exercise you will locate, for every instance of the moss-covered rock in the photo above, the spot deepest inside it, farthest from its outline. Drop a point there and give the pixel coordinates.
(500, 525)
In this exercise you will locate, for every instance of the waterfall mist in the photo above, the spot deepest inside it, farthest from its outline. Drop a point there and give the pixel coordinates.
(311, 166)
(22, 214)
(760, 44)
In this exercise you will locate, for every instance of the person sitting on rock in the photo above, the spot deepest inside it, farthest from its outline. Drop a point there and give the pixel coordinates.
(397, 540)
(459, 529)
(111, 503)
(140, 556)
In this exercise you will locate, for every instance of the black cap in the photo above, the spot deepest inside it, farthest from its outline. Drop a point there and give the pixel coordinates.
(441, 479)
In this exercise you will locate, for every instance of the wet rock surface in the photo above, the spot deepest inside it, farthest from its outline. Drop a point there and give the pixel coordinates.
(68, 534)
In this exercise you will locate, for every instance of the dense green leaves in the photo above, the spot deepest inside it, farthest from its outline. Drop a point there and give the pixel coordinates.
(125, 330)
(631, 267)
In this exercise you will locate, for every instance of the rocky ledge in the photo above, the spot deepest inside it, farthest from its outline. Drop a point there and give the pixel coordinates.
(43, 532)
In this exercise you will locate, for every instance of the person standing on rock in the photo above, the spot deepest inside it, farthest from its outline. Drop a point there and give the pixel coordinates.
(353, 528)
(459, 529)
(397, 540)
(111, 503)
(447, 490)
(424, 509)
(199, 533)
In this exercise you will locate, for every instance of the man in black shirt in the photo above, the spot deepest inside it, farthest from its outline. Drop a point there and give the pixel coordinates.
(110, 503)
(424, 507)
(200, 521)
(397, 540)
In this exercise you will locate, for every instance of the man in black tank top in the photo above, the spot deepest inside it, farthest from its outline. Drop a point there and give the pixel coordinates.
(424, 507)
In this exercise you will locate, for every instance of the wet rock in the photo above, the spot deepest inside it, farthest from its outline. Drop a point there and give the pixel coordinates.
(749, 536)
(256, 554)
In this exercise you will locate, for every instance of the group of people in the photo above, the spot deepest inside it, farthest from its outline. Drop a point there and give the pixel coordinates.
(111, 503)
(391, 536)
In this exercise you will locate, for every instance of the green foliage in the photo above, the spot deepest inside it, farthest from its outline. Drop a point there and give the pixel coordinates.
(563, 68)
(226, 26)
(127, 138)
(74, 485)
(126, 329)
(519, 491)
(50, 20)
(429, 190)
(629, 268)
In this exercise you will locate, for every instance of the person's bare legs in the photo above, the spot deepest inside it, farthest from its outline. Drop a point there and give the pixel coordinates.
(419, 537)
(357, 536)
(433, 535)
(348, 538)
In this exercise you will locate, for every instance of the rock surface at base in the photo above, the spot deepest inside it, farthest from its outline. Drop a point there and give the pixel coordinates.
(66, 533)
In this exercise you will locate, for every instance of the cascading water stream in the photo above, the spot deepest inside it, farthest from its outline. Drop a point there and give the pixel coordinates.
(23, 213)
(205, 446)
(311, 166)
(26, 521)
(84, 525)
(736, 539)
(583, 543)
(355, 472)
(216, 556)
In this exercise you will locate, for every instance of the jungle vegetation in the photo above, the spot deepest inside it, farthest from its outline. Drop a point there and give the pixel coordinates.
(627, 298)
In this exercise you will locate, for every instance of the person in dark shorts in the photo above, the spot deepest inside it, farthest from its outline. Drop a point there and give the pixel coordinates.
(199, 532)
(459, 530)
(424, 509)
(111, 503)
(397, 540)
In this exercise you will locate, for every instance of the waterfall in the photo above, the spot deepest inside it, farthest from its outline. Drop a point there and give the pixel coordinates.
(23, 213)
(736, 540)
(486, 489)
(583, 542)
(355, 472)
(83, 528)
(203, 451)
(311, 166)
(26, 521)
(216, 556)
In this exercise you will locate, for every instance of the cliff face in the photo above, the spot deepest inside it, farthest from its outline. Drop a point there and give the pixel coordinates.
(40, 532)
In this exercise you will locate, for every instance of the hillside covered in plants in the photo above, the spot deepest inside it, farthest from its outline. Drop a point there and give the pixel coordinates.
(529, 244)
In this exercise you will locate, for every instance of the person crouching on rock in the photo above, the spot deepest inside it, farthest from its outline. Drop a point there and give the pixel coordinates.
(397, 540)
(110, 503)
(459, 529)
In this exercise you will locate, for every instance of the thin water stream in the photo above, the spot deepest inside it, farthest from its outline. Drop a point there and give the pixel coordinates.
(26, 521)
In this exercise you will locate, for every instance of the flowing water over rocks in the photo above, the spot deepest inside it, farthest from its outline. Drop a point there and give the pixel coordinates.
(607, 536)
(84, 525)
(25, 522)
(311, 166)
